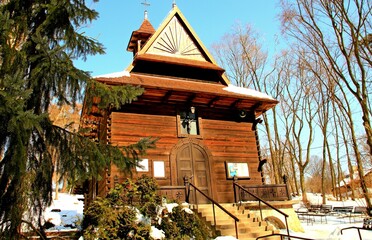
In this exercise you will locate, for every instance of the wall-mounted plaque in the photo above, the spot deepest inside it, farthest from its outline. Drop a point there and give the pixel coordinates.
(159, 169)
(237, 169)
(143, 165)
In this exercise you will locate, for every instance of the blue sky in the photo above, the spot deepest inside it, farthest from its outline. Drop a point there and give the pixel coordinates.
(210, 19)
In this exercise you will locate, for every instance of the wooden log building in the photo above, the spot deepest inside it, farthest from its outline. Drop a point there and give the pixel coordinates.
(205, 125)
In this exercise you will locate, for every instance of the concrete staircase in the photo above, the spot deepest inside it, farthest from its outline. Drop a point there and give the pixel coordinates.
(250, 226)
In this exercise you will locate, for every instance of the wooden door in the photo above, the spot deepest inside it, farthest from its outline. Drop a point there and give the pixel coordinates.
(192, 161)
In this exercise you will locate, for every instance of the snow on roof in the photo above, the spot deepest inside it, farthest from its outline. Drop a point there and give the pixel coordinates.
(247, 91)
(114, 75)
(347, 179)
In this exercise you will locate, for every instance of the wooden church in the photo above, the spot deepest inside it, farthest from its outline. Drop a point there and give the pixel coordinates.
(206, 127)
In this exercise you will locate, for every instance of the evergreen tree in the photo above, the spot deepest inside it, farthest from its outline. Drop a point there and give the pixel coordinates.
(38, 42)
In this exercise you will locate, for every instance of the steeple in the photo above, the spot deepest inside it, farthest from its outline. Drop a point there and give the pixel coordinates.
(140, 36)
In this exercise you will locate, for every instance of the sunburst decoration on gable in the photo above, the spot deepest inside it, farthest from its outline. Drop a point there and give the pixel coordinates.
(175, 41)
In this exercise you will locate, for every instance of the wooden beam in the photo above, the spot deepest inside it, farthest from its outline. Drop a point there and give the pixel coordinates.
(235, 103)
(213, 101)
(191, 98)
(256, 106)
(167, 96)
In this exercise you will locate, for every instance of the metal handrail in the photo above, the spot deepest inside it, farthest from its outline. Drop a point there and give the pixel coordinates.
(357, 228)
(235, 184)
(188, 184)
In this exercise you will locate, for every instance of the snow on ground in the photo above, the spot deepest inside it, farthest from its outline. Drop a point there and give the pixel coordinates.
(332, 229)
(67, 211)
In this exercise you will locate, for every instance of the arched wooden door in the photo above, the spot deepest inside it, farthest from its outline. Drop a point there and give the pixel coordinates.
(193, 162)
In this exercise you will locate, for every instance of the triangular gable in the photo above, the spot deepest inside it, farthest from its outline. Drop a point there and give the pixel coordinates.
(176, 38)
(175, 41)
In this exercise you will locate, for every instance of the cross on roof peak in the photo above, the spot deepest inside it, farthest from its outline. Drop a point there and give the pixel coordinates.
(146, 5)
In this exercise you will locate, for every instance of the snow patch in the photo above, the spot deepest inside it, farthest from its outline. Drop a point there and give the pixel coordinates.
(114, 75)
(53, 217)
(188, 210)
(140, 218)
(170, 206)
(65, 212)
(247, 91)
(156, 233)
(226, 238)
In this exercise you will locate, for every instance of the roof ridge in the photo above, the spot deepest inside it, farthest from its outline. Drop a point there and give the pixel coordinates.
(146, 26)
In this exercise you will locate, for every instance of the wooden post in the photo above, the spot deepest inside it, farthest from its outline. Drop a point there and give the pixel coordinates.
(286, 186)
(187, 188)
(235, 179)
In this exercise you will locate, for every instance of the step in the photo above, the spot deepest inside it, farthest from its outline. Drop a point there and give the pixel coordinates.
(250, 225)
(233, 211)
(243, 229)
(254, 236)
(223, 214)
(244, 236)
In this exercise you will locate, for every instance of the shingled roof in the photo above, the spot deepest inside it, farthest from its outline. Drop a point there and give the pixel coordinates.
(145, 31)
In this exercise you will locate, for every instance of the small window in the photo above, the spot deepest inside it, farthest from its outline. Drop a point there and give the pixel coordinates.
(188, 123)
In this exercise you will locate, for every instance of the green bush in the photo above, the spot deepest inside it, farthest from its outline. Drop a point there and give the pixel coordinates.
(115, 217)
(182, 225)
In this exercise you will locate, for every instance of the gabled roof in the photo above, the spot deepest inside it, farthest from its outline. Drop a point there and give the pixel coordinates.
(176, 40)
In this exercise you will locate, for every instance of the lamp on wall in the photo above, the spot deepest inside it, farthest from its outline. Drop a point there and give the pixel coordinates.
(259, 169)
(255, 122)
(242, 113)
(260, 164)
(192, 109)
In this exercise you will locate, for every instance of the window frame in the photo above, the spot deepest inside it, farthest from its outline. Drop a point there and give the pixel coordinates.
(184, 135)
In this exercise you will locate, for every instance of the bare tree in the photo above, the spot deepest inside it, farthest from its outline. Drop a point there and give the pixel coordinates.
(338, 32)
(316, 180)
(242, 55)
(299, 112)
(68, 118)
(344, 134)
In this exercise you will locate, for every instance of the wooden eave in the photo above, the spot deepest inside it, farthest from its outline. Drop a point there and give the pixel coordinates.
(135, 37)
(180, 91)
(177, 61)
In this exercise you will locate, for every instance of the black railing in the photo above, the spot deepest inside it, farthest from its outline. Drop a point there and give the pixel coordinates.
(268, 192)
(188, 186)
(357, 228)
(239, 201)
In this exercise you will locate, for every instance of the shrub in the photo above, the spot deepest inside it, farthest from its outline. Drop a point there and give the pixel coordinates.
(182, 225)
(117, 215)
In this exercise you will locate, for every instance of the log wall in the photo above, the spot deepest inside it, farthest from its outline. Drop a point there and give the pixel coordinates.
(226, 140)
